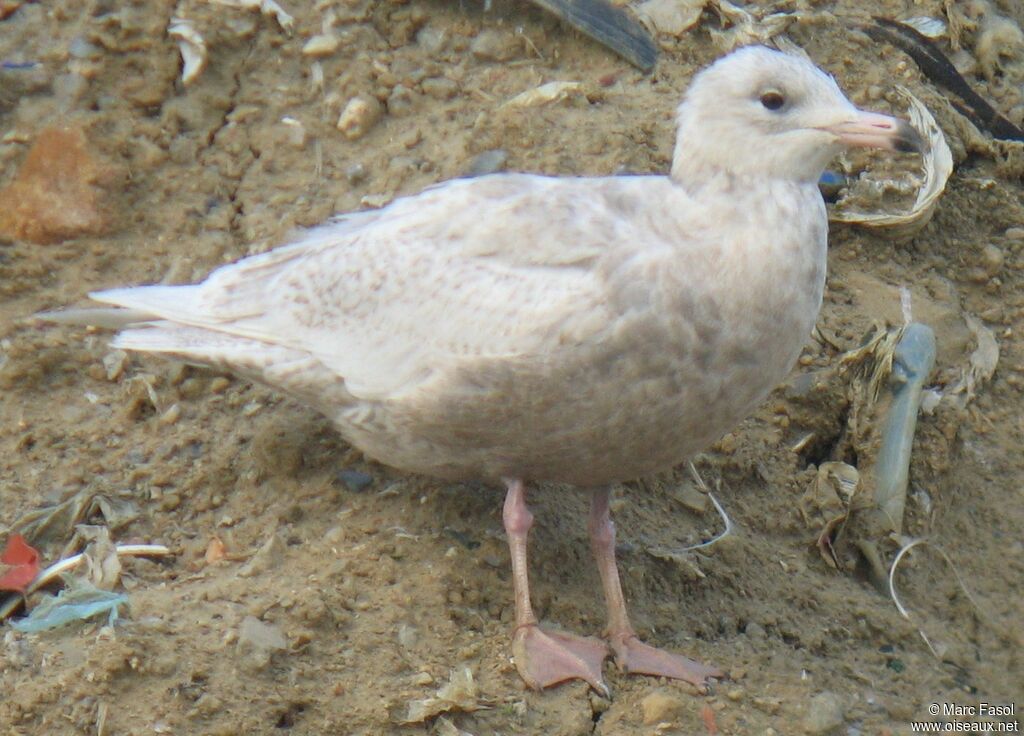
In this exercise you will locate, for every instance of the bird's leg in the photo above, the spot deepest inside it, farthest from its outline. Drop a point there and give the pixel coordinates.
(543, 658)
(631, 654)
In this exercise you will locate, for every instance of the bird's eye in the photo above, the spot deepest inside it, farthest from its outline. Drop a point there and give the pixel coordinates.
(773, 100)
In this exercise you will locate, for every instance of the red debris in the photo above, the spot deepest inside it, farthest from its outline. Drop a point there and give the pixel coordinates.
(19, 564)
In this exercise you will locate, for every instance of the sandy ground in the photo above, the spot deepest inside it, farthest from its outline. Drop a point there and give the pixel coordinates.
(372, 587)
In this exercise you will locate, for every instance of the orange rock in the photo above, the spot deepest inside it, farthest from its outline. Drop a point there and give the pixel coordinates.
(7, 7)
(56, 193)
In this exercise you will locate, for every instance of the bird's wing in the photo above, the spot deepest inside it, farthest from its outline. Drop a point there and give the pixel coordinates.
(500, 266)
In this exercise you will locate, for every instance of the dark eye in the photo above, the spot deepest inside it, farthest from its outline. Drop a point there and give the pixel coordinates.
(773, 100)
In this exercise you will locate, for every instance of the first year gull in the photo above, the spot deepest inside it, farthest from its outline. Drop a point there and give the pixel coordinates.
(517, 328)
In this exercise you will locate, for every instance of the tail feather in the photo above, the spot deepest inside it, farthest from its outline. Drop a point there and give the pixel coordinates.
(108, 319)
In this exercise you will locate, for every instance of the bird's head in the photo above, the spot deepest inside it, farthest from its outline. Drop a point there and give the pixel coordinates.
(763, 113)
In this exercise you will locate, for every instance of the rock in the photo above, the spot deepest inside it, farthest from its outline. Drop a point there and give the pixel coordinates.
(824, 714)
(440, 88)
(431, 40)
(493, 45)
(992, 259)
(360, 114)
(356, 174)
(662, 706)
(487, 162)
(257, 642)
(400, 101)
(354, 480)
(672, 17)
(268, 557)
(114, 364)
(57, 193)
(321, 45)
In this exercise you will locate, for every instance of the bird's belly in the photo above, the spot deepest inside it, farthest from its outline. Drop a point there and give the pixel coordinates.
(587, 417)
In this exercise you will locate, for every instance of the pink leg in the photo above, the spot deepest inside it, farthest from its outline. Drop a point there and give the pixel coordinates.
(631, 654)
(543, 658)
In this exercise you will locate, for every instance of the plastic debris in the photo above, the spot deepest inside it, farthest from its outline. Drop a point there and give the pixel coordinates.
(938, 165)
(192, 48)
(19, 564)
(913, 361)
(80, 601)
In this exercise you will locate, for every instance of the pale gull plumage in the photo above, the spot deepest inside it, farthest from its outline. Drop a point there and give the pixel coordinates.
(584, 330)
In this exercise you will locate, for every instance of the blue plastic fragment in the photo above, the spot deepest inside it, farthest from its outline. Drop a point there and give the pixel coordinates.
(82, 602)
(18, 64)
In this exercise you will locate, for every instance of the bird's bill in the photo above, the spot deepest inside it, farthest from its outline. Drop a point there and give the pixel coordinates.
(874, 130)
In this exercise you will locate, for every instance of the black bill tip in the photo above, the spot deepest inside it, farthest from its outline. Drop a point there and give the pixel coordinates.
(908, 140)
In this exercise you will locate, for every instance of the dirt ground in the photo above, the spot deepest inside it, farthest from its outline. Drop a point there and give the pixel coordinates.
(344, 591)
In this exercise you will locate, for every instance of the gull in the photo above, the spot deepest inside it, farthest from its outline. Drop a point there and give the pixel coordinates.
(522, 329)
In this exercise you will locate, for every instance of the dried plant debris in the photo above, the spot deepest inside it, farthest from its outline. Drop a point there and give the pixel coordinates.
(610, 26)
(53, 523)
(545, 94)
(870, 364)
(980, 367)
(192, 48)
(861, 204)
(940, 70)
(266, 7)
(672, 17)
(745, 27)
(460, 693)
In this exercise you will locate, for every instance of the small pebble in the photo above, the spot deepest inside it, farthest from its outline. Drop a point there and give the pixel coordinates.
(172, 415)
(492, 45)
(431, 40)
(661, 706)
(114, 363)
(354, 480)
(440, 88)
(359, 116)
(257, 641)
(408, 637)
(356, 174)
(992, 259)
(400, 101)
(321, 45)
(81, 48)
(219, 384)
(824, 714)
(487, 162)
